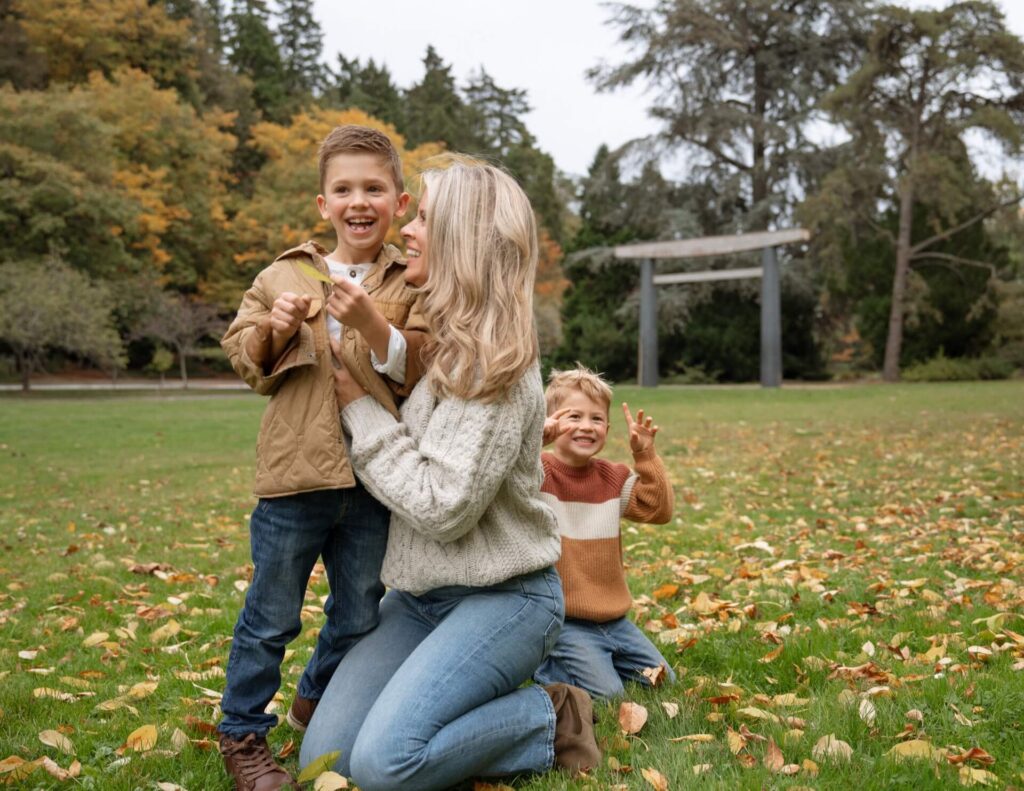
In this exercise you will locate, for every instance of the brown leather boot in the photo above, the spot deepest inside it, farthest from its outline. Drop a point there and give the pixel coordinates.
(250, 764)
(575, 742)
(301, 712)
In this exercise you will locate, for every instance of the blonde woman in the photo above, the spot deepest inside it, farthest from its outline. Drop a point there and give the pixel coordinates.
(432, 696)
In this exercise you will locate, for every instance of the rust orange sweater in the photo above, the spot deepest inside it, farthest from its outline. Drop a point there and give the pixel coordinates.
(588, 503)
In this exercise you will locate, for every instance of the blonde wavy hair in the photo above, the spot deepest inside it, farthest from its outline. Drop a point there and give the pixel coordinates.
(478, 298)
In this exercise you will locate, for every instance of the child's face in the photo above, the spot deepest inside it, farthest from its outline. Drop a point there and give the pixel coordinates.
(415, 235)
(588, 421)
(360, 200)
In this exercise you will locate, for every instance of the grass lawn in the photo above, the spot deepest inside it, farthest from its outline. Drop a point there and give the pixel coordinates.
(844, 562)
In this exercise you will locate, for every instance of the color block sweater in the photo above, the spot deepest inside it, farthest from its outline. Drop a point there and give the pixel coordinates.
(462, 480)
(588, 503)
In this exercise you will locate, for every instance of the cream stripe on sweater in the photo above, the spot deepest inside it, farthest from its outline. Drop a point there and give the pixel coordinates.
(462, 480)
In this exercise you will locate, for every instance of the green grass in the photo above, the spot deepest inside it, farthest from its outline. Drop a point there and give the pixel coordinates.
(889, 516)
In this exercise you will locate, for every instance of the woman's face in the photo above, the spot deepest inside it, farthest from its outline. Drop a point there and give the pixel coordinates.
(415, 235)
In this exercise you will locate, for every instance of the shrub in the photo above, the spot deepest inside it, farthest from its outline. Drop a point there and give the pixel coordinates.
(958, 369)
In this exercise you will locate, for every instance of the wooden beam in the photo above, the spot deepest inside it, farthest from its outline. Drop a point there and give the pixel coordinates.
(707, 276)
(712, 245)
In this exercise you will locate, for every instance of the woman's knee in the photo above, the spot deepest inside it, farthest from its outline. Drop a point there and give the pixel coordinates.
(381, 767)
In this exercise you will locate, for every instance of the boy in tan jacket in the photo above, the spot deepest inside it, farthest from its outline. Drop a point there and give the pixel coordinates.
(310, 502)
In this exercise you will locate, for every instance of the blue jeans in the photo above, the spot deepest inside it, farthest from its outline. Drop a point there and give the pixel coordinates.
(599, 657)
(349, 529)
(432, 697)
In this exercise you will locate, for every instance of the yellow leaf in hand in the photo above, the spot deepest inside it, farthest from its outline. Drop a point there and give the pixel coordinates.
(315, 273)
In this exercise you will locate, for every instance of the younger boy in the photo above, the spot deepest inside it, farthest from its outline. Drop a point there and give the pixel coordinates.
(310, 502)
(598, 648)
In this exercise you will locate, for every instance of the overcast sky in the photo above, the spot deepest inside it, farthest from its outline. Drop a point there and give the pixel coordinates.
(544, 46)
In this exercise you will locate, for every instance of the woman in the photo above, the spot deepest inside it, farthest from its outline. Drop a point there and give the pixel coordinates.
(431, 696)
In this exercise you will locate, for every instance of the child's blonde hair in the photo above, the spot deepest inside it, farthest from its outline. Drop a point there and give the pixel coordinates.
(478, 298)
(355, 139)
(579, 379)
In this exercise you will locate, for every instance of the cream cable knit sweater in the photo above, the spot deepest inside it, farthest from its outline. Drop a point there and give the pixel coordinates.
(462, 480)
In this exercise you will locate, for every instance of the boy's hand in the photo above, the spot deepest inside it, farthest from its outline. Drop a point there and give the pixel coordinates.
(641, 432)
(353, 307)
(554, 427)
(286, 316)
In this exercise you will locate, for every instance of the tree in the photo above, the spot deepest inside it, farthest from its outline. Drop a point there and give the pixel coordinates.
(434, 109)
(47, 307)
(369, 88)
(927, 78)
(737, 86)
(252, 51)
(180, 322)
(301, 46)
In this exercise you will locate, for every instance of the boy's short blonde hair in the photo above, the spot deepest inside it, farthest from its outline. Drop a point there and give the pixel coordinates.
(580, 379)
(354, 139)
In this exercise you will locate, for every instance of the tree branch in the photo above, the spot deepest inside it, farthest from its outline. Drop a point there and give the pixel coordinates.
(966, 224)
(954, 259)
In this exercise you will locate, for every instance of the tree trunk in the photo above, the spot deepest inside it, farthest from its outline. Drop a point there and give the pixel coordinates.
(894, 339)
(26, 372)
(182, 369)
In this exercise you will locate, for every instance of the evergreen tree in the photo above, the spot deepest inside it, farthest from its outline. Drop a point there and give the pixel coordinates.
(253, 52)
(434, 109)
(370, 88)
(301, 46)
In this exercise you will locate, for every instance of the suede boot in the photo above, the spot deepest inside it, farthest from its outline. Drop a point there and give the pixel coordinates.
(575, 742)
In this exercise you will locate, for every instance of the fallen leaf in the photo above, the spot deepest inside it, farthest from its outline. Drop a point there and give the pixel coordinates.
(694, 737)
(975, 754)
(142, 690)
(632, 717)
(809, 766)
(736, 741)
(699, 769)
(170, 787)
(867, 711)
(666, 591)
(773, 759)
(58, 740)
(655, 675)
(656, 779)
(165, 632)
(332, 781)
(95, 639)
(970, 776)
(831, 748)
(671, 709)
(318, 766)
(141, 739)
(917, 749)
(314, 273)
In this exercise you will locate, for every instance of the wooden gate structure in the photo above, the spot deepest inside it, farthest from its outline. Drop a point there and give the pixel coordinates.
(771, 311)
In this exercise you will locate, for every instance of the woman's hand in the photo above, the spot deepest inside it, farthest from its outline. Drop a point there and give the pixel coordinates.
(346, 388)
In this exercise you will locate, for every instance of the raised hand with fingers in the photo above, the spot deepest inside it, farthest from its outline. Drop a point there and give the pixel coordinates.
(641, 430)
(554, 426)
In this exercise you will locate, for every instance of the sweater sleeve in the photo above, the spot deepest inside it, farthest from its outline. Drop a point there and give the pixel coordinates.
(650, 497)
(441, 486)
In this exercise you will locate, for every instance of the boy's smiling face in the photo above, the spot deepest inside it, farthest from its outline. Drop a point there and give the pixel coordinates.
(360, 200)
(588, 429)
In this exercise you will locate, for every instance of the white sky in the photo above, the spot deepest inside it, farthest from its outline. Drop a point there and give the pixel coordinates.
(543, 46)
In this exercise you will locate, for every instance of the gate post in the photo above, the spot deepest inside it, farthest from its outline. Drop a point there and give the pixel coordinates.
(771, 320)
(647, 375)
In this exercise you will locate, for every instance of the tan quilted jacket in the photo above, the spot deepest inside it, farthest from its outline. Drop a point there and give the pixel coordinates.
(300, 447)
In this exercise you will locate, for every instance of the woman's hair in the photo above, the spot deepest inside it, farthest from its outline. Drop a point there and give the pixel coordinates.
(478, 298)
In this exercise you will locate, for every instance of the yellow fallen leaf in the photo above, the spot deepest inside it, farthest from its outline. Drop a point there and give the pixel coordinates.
(694, 737)
(330, 781)
(699, 769)
(754, 713)
(55, 694)
(656, 779)
(16, 768)
(95, 639)
(141, 739)
(179, 739)
(169, 787)
(165, 632)
(735, 740)
(58, 740)
(913, 749)
(142, 690)
(970, 776)
(318, 766)
(831, 748)
(671, 709)
(809, 766)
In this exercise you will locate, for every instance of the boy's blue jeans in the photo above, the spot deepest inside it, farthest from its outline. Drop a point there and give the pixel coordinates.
(349, 529)
(431, 696)
(599, 657)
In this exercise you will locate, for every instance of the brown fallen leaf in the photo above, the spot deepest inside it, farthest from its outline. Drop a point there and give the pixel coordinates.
(655, 778)
(58, 740)
(632, 717)
(970, 776)
(666, 591)
(773, 759)
(974, 755)
(735, 740)
(655, 675)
